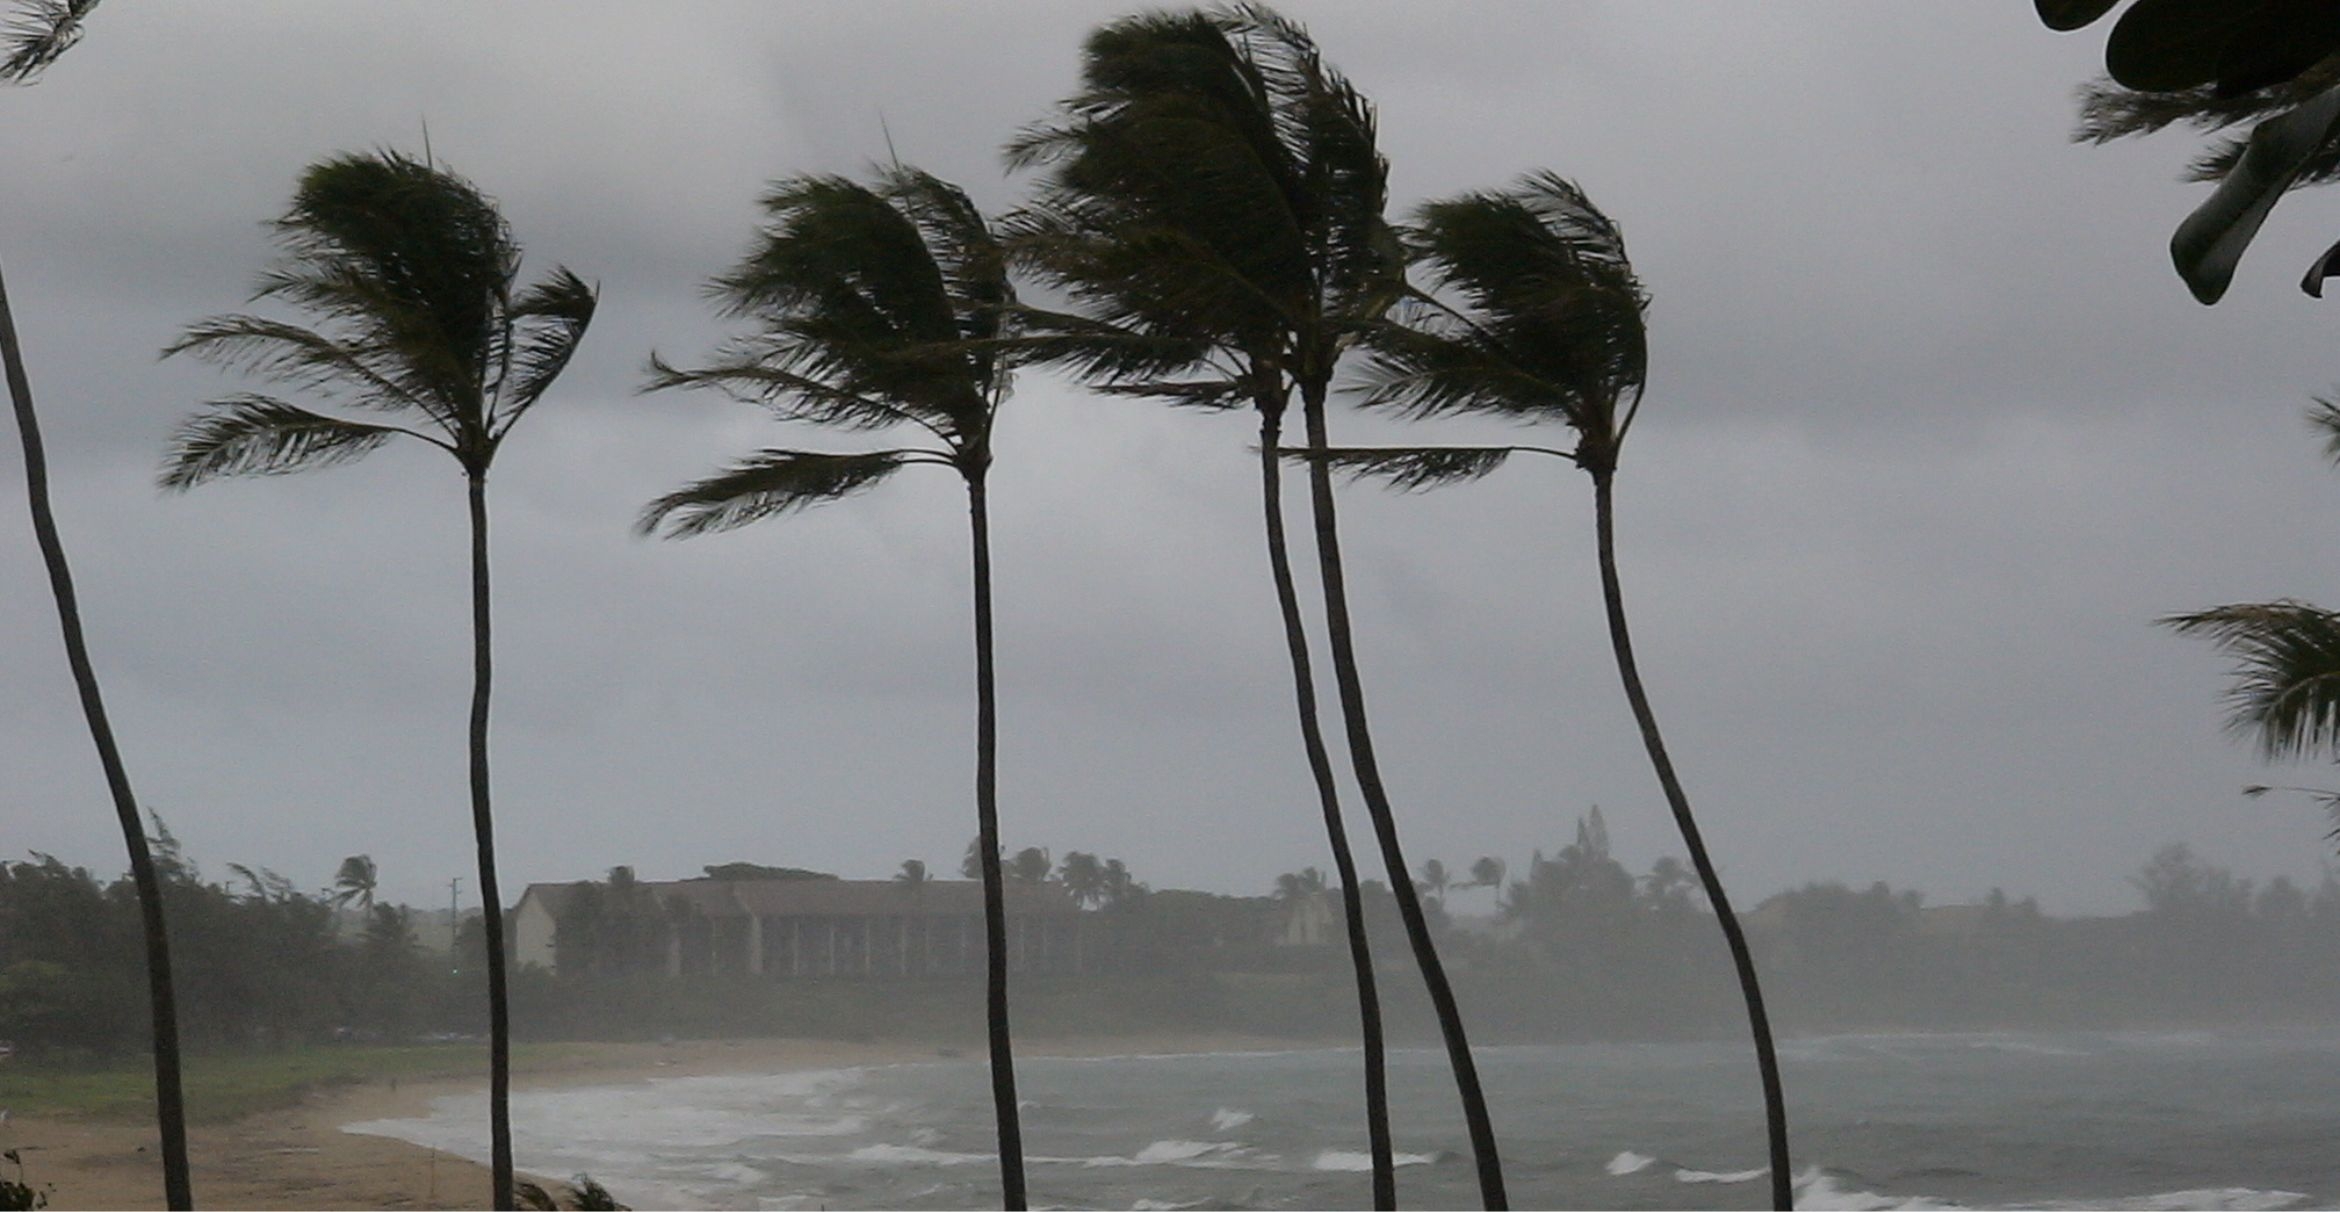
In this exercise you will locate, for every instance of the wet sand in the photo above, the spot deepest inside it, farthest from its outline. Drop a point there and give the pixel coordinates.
(300, 1158)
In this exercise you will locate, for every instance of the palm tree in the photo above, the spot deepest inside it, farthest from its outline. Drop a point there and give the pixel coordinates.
(1030, 865)
(354, 882)
(40, 32)
(1435, 880)
(1487, 872)
(1214, 205)
(414, 273)
(879, 308)
(1538, 317)
(1083, 877)
(2286, 690)
(913, 876)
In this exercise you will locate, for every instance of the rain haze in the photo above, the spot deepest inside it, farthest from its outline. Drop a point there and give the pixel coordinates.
(1933, 435)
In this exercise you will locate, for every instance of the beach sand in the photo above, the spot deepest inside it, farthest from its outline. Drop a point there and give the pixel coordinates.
(300, 1158)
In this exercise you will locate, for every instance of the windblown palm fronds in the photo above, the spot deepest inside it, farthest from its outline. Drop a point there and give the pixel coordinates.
(411, 274)
(877, 308)
(37, 34)
(2286, 691)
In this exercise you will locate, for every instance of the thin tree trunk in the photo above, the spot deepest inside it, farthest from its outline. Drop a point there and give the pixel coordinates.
(1003, 1059)
(1271, 490)
(483, 828)
(169, 1104)
(1766, 1059)
(1368, 769)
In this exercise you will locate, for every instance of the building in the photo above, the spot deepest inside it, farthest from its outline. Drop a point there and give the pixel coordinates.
(788, 929)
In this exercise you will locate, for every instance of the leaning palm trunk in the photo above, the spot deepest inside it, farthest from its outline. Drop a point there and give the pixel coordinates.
(483, 828)
(995, 1001)
(1377, 805)
(1320, 767)
(169, 1104)
(1766, 1059)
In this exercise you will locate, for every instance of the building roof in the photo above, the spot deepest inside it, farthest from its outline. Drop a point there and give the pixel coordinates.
(826, 898)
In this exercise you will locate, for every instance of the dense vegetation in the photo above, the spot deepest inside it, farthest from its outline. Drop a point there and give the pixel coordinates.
(1575, 948)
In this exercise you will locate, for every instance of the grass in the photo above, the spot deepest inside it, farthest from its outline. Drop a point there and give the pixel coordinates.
(227, 1086)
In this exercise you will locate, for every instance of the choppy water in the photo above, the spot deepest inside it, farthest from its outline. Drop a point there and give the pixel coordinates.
(2137, 1121)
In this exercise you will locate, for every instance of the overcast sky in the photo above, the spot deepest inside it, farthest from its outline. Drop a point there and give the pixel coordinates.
(1933, 435)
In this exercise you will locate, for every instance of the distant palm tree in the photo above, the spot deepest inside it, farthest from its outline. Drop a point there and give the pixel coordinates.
(1083, 877)
(913, 875)
(880, 308)
(1030, 865)
(40, 31)
(1487, 872)
(354, 883)
(1535, 314)
(1299, 885)
(414, 274)
(1435, 880)
(1214, 206)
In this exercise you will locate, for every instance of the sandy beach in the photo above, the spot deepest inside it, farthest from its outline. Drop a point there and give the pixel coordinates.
(300, 1158)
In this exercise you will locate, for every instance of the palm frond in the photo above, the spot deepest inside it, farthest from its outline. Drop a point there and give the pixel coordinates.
(308, 360)
(2286, 689)
(548, 320)
(259, 435)
(1407, 468)
(2325, 417)
(39, 32)
(771, 483)
(752, 378)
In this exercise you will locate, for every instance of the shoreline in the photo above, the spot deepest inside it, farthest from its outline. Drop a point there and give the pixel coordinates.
(300, 1157)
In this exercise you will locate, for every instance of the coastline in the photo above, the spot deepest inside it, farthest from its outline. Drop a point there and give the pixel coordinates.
(299, 1157)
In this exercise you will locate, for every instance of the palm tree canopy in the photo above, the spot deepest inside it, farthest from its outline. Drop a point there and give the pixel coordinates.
(413, 272)
(40, 31)
(1532, 312)
(355, 881)
(875, 307)
(1213, 204)
(2286, 691)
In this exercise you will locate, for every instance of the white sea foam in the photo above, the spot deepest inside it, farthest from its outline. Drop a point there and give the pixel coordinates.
(1630, 1162)
(2231, 1199)
(1226, 1119)
(1820, 1192)
(1344, 1159)
(1720, 1176)
(916, 1155)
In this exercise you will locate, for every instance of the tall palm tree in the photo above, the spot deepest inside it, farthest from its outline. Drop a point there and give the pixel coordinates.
(40, 31)
(1534, 314)
(414, 276)
(1213, 204)
(878, 308)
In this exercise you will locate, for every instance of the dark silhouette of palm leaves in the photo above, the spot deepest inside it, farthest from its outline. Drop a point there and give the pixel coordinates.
(1213, 208)
(38, 32)
(1532, 312)
(2286, 691)
(771, 483)
(411, 271)
(877, 308)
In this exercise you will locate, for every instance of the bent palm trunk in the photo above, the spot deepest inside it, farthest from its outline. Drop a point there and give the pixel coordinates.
(483, 827)
(1368, 769)
(1766, 1059)
(995, 1002)
(1344, 861)
(169, 1103)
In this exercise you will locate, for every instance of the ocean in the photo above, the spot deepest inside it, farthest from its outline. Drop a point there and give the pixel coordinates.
(2131, 1120)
